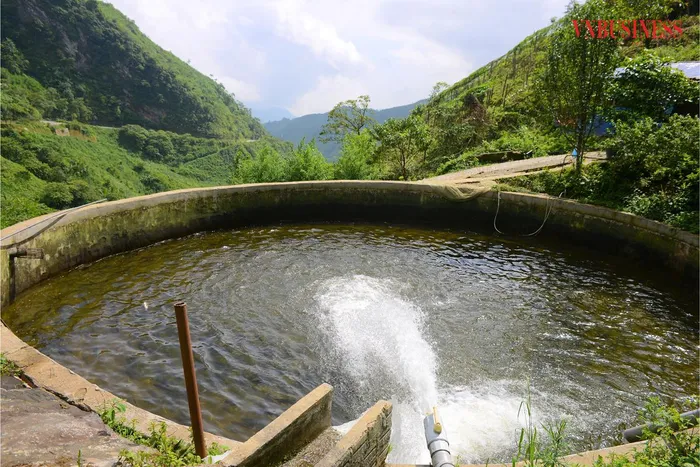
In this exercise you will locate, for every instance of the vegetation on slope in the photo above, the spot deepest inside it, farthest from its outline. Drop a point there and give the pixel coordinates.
(527, 101)
(498, 107)
(48, 167)
(95, 66)
(670, 443)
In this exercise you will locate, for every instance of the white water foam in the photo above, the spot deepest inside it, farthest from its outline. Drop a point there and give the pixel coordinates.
(379, 332)
(379, 336)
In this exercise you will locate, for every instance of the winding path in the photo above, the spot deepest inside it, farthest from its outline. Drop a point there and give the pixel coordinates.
(489, 173)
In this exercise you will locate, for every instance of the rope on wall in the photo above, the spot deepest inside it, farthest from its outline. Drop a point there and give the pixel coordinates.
(548, 211)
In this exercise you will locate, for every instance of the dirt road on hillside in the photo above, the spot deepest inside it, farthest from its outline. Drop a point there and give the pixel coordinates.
(487, 174)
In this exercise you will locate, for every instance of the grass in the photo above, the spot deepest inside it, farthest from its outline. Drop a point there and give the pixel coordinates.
(8, 368)
(671, 445)
(169, 451)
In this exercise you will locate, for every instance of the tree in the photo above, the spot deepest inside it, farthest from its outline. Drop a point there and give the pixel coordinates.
(656, 169)
(307, 163)
(576, 73)
(356, 157)
(350, 116)
(401, 142)
(57, 195)
(648, 87)
(453, 128)
(12, 58)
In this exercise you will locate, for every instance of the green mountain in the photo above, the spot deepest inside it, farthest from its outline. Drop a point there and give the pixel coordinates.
(162, 124)
(309, 127)
(97, 67)
(270, 114)
(507, 81)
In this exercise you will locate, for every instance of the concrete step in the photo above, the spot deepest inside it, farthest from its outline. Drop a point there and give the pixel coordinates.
(313, 452)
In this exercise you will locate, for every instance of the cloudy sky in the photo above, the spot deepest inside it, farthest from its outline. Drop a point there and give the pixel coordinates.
(306, 56)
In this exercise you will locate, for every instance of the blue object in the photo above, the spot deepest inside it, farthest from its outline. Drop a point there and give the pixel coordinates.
(575, 153)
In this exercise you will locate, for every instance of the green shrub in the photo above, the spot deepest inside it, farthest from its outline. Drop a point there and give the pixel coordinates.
(648, 87)
(57, 196)
(307, 163)
(152, 183)
(672, 445)
(653, 172)
(660, 164)
(355, 158)
(267, 166)
(83, 192)
(133, 137)
(8, 368)
(170, 451)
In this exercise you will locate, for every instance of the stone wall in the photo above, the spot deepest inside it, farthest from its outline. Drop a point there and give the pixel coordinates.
(367, 442)
(96, 231)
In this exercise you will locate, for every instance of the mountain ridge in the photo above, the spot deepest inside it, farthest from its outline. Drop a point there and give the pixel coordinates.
(92, 55)
(309, 127)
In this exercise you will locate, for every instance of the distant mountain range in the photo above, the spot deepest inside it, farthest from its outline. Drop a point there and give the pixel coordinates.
(270, 114)
(309, 127)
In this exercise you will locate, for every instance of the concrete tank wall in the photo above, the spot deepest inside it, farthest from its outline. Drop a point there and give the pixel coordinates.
(100, 230)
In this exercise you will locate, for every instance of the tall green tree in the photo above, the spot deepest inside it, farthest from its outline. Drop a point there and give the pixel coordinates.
(11, 58)
(402, 142)
(576, 73)
(648, 87)
(351, 116)
(266, 166)
(356, 157)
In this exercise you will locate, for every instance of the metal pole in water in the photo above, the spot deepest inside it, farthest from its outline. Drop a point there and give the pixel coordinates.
(438, 446)
(183, 331)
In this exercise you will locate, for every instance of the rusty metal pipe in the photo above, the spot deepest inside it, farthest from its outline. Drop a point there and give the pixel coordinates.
(183, 331)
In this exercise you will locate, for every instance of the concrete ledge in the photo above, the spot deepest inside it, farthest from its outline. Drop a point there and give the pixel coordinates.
(367, 442)
(47, 374)
(582, 459)
(96, 231)
(288, 433)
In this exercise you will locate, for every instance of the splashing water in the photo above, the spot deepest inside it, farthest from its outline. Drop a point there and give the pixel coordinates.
(379, 332)
(379, 336)
(282, 310)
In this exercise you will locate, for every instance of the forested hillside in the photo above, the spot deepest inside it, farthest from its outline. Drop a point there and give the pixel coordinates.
(309, 127)
(84, 60)
(47, 167)
(556, 91)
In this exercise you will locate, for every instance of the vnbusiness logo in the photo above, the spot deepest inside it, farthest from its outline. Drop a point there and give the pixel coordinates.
(622, 29)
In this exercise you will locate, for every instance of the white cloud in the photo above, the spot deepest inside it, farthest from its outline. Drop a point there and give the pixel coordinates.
(329, 90)
(244, 91)
(320, 36)
(307, 55)
(201, 35)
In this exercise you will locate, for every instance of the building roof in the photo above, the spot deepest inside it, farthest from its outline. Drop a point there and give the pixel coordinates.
(690, 69)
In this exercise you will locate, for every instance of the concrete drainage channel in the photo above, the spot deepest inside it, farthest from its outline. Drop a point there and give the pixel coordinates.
(302, 435)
